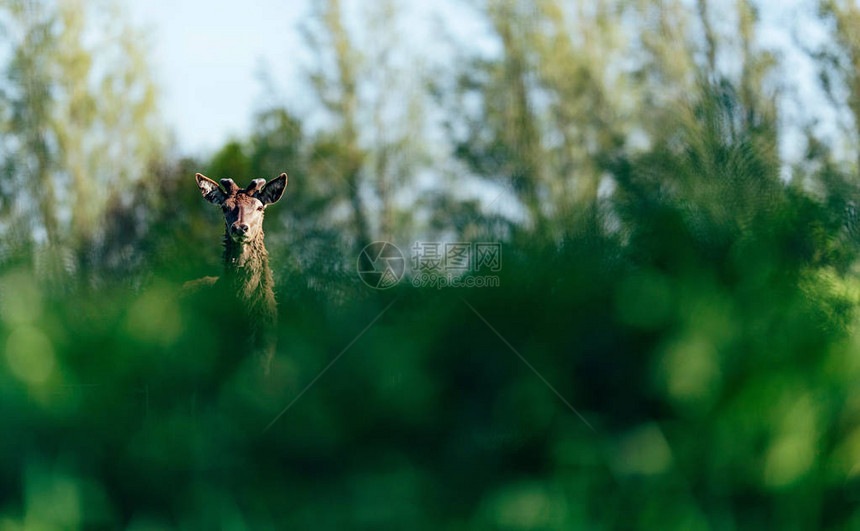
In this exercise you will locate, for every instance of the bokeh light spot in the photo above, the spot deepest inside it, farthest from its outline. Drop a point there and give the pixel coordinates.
(154, 318)
(788, 458)
(30, 354)
(644, 451)
(20, 299)
(692, 373)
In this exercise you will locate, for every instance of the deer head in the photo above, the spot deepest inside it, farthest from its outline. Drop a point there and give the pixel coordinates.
(243, 208)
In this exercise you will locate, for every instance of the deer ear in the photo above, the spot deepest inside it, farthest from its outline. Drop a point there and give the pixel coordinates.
(210, 189)
(273, 190)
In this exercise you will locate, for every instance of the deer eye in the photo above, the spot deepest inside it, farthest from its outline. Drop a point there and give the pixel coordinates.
(260, 208)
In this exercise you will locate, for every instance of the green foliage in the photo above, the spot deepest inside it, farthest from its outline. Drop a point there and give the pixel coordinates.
(233, 162)
(673, 343)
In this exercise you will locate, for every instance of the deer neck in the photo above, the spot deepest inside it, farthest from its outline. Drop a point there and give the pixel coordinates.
(246, 267)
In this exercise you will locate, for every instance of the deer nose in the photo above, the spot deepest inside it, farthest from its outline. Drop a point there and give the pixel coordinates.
(241, 228)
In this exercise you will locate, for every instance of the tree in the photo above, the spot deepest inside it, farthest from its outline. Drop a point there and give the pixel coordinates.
(839, 64)
(552, 105)
(373, 145)
(84, 124)
(29, 161)
(339, 151)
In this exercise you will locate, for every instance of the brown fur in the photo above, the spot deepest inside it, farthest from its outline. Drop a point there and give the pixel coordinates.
(249, 277)
(247, 274)
(193, 286)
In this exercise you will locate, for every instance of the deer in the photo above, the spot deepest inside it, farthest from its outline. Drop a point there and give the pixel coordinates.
(247, 275)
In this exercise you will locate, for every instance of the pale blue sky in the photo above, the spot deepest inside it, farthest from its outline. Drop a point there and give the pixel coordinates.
(207, 57)
(208, 54)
